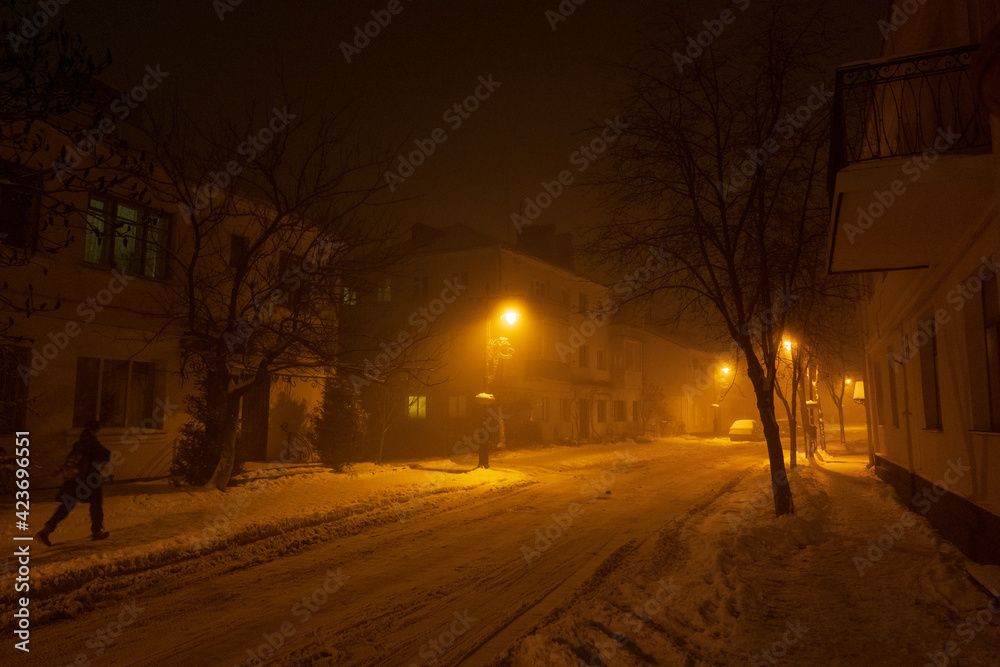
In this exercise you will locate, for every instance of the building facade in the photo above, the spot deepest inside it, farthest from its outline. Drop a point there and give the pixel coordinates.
(578, 363)
(915, 183)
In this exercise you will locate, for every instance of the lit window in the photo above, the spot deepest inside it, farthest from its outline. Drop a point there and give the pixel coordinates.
(116, 392)
(130, 238)
(350, 296)
(417, 407)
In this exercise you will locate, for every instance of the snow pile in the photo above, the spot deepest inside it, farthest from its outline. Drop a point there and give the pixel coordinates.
(851, 578)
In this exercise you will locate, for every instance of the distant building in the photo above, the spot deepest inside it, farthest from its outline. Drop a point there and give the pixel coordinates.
(580, 360)
(916, 186)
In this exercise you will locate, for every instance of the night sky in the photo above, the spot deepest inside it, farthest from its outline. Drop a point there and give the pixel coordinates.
(555, 84)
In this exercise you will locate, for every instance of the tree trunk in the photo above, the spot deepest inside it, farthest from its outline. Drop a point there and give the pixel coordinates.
(764, 391)
(840, 413)
(804, 377)
(224, 411)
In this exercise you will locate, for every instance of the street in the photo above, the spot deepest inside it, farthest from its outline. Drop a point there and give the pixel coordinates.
(449, 585)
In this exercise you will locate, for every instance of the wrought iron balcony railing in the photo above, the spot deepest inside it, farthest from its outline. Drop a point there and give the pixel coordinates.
(899, 107)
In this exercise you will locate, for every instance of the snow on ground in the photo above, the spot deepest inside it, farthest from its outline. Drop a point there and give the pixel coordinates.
(153, 524)
(851, 579)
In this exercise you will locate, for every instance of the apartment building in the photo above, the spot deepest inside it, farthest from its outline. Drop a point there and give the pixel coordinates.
(915, 184)
(576, 357)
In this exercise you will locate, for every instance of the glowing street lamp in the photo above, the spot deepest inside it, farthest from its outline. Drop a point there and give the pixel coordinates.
(510, 316)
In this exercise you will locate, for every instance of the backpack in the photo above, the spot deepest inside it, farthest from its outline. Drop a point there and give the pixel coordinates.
(75, 465)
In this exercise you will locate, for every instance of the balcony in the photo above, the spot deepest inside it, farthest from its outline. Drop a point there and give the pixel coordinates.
(910, 160)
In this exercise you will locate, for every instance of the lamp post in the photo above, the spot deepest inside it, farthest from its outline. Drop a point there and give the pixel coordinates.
(497, 349)
(717, 404)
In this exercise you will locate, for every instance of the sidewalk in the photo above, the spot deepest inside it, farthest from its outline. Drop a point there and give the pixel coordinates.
(851, 579)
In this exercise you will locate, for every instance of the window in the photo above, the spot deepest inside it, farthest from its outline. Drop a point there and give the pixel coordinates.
(929, 383)
(602, 362)
(239, 246)
(546, 415)
(893, 401)
(619, 411)
(385, 290)
(13, 388)
(296, 288)
(564, 409)
(420, 290)
(116, 392)
(633, 355)
(602, 411)
(350, 296)
(584, 303)
(461, 279)
(878, 396)
(18, 211)
(457, 407)
(584, 353)
(539, 289)
(126, 237)
(991, 333)
(417, 407)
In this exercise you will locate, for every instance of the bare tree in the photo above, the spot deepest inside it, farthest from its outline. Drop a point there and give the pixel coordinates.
(273, 223)
(722, 164)
(49, 100)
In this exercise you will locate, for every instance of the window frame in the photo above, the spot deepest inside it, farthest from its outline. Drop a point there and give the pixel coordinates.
(108, 236)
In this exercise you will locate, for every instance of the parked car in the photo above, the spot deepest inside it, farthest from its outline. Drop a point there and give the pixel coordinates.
(746, 429)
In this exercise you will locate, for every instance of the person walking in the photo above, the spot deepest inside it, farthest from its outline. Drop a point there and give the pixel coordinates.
(83, 480)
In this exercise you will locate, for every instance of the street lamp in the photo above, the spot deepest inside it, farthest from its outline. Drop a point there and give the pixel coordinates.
(497, 349)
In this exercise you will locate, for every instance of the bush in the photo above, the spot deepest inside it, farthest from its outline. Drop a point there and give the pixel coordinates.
(337, 427)
(197, 454)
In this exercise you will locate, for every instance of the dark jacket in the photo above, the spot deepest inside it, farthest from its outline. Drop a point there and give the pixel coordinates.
(86, 457)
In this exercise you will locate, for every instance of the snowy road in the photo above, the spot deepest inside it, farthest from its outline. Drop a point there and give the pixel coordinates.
(452, 582)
